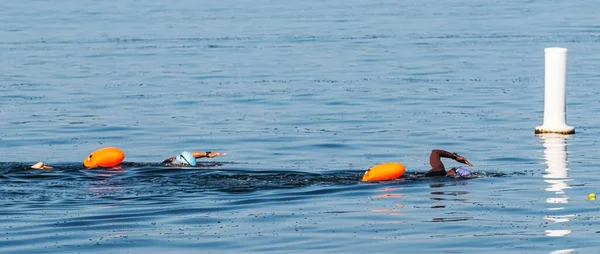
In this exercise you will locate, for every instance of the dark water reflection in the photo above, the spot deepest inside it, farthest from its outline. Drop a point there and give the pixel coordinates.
(223, 177)
(74, 208)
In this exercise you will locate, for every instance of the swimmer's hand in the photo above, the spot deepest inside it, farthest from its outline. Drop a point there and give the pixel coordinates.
(462, 159)
(168, 160)
(213, 154)
(40, 165)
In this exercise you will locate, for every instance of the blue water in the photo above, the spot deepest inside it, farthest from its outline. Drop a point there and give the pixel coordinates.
(304, 96)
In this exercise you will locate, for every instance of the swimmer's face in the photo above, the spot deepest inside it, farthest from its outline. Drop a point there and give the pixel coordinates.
(187, 159)
(184, 160)
(451, 172)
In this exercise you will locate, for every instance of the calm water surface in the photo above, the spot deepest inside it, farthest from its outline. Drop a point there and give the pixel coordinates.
(303, 96)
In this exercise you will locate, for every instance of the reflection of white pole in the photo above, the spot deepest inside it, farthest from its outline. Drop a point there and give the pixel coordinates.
(557, 176)
(565, 251)
(556, 160)
(555, 155)
(555, 80)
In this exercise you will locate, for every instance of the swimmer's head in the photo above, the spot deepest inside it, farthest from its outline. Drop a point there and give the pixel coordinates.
(186, 158)
(461, 172)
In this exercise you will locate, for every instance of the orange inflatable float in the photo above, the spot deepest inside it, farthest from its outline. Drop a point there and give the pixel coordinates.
(385, 171)
(105, 157)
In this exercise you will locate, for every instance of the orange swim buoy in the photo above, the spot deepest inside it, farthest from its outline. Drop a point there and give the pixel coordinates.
(384, 171)
(105, 157)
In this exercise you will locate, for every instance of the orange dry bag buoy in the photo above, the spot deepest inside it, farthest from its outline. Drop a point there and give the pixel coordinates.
(105, 157)
(385, 171)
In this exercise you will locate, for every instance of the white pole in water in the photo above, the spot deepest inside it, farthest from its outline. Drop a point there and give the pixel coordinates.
(555, 93)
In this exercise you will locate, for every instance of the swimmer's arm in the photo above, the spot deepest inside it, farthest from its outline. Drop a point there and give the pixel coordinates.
(207, 154)
(435, 159)
(437, 167)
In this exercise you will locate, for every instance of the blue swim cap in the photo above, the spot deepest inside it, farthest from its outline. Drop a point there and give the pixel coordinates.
(186, 157)
(460, 171)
